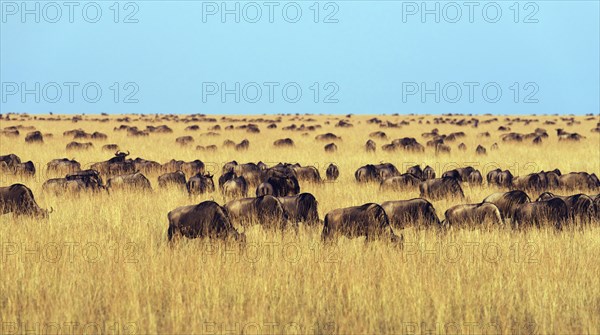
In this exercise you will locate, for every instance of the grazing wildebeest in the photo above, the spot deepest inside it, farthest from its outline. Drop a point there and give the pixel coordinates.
(134, 180)
(428, 173)
(473, 215)
(307, 173)
(206, 220)
(418, 213)
(79, 146)
(63, 166)
(301, 208)
(461, 174)
(243, 145)
(279, 186)
(378, 134)
(406, 181)
(184, 140)
(416, 171)
(331, 147)
(553, 212)
(226, 177)
(327, 137)
(60, 186)
(235, 188)
(27, 169)
(18, 199)
(578, 180)
(117, 165)
(370, 146)
(11, 160)
(475, 178)
(508, 202)
(366, 173)
(500, 178)
(580, 206)
(250, 171)
(176, 178)
(91, 178)
(265, 210)
(332, 172)
(480, 150)
(110, 147)
(529, 182)
(368, 220)
(284, 142)
(440, 188)
(200, 183)
(192, 168)
(34, 137)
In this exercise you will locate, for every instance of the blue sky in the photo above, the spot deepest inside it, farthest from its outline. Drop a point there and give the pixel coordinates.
(363, 57)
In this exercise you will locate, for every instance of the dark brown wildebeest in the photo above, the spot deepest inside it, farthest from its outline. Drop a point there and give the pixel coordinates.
(235, 188)
(79, 146)
(366, 173)
(279, 186)
(554, 212)
(265, 210)
(580, 206)
(378, 134)
(331, 147)
(416, 171)
(428, 173)
(578, 180)
(193, 167)
(370, 146)
(243, 145)
(63, 166)
(462, 147)
(408, 144)
(200, 184)
(98, 136)
(308, 174)
(418, 213)
(530, 182)
(11, 160)
(494, 147)
(129, 181)
(475, 178)
(184, 140)
(368, 220)
(473, 215)
(34, 137)
(176, 178)
(328, 137)
(146, 166)
(110, 147)
(205, 220)
(225, 177)
(565, 136)
(301, 208)
(18, 199)
(403, 182)
(284, 142)
(251, 172)
(500, 178)
(262, 166)
(460, 174)
(60, 186)
(480, 150)
(332, 172)
(441, 188)
(194, 127)
(508, 202)
(117, 165)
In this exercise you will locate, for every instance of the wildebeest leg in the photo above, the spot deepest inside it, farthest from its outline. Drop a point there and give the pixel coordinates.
(172, 232)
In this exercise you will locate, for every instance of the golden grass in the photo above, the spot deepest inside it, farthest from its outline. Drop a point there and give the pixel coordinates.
(102, 261)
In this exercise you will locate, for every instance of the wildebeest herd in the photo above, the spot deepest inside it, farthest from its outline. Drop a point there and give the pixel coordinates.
(278, 203)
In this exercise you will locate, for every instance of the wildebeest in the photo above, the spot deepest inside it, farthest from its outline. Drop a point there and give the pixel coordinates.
(327, 137)
(184, 140)
(176, 178)
(461, 174)
(554, 212)
(200, 184)
(117, 165)
(406, 181)
(332, 172)
(250, 171)
(79, 146)
(206, 220)
(110, 147)
(129, 181)
(368, 220)
(307, 173)
(301, 208)
(284, 142)
(500, 178)
(366, 173)
(60, 186)
(331, 147)
(370, 146)
(235, 188)
(63, 166)
(440, 188)
(34, 137)
(580, 206)
(473, 215)
(578, 180)
(265, 210)
(279, 186)
(475, 178)
(18, 199)
(480, 150)
(417, 212)
(508, 202)
(243, 145)
(428, 173)
(416, 171)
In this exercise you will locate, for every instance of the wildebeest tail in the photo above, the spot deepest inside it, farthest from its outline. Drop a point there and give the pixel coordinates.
(308, 205)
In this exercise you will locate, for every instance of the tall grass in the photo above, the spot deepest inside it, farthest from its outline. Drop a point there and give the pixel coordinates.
(101, 262)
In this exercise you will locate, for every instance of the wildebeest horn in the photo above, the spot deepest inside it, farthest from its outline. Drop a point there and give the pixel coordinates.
(51, 210)
(127, 153)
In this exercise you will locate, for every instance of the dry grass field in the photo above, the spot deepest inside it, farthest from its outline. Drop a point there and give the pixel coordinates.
(101, 262)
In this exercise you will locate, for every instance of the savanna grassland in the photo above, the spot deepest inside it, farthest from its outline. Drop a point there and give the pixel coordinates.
(101, 262)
